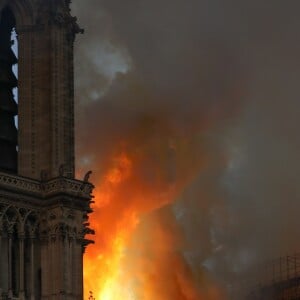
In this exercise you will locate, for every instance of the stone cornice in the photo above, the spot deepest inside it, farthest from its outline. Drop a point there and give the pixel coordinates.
(52, 187)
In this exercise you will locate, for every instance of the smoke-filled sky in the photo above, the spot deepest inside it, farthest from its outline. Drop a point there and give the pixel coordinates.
(205, 95)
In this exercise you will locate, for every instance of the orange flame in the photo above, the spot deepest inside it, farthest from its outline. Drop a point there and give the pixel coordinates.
(103, 273)
(132, 249)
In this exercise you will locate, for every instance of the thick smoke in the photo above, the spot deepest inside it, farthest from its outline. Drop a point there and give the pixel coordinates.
(205, 96)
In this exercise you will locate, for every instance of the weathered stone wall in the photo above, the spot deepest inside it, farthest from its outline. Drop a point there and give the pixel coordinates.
(46, 34)
(42, 237)
(43, 209)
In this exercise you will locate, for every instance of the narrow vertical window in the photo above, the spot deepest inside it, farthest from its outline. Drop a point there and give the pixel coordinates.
(14, 40)
(8, 85)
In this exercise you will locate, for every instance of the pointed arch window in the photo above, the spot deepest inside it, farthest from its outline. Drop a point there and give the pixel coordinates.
(8, 93)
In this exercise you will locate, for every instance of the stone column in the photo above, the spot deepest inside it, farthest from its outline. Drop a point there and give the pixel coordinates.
(46, 262)
(66, 257)
(32, 275)
(52, 265)
(9, 250)
(21, 261)
(72, 266)
(80, 270)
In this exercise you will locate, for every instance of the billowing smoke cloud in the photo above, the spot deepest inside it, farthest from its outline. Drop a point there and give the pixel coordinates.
(203, 96)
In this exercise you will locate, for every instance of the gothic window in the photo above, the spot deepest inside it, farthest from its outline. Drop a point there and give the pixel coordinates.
(8, 105)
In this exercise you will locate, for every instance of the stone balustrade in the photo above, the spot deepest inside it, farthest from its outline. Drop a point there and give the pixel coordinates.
(47, 188)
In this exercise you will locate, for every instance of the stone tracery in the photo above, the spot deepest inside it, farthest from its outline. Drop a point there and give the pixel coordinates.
(43, 208)
(43, 219)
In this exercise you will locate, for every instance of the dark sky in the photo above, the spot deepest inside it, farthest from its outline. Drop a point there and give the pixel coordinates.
(221, 77)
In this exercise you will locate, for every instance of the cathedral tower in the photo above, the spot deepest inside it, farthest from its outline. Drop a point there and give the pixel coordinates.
(43, 208)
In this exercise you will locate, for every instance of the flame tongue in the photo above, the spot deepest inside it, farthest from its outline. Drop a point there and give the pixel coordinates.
(114, 283)
(104, 273)
(137, 255)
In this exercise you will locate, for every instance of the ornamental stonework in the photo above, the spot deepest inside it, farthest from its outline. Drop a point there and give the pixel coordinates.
(44, 209)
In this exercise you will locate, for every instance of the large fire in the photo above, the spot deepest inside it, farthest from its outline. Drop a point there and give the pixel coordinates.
(103, 267)
(137, 255)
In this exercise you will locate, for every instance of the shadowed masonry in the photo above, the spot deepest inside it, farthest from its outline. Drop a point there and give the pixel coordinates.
(43, 208)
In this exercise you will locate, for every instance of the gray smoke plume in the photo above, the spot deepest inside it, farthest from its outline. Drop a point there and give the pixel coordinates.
(220, 78)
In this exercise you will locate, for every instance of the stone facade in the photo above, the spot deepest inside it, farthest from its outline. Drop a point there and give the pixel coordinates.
(43, 208)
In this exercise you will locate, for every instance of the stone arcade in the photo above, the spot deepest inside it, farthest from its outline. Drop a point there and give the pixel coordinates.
(43, 208)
